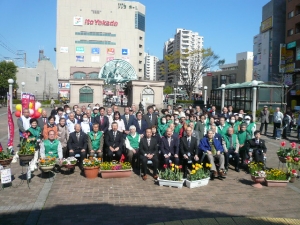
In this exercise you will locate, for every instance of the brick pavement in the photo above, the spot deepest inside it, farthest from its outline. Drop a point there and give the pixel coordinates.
(75, 200)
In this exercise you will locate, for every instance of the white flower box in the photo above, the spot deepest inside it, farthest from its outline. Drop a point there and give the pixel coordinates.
(170, 183)
(197, 183)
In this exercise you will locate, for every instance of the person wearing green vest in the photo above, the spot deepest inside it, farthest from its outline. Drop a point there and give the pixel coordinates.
(95, 141)
(162, 126)
(223, 127)
(251, 126)
(177, 126)
(132, 142)
(231, 147)
(51, 147)
(234, 124)
(95, 112)
(243, 137)
(201, 127)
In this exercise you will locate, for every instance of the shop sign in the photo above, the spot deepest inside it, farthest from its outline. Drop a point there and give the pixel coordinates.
(101, 22)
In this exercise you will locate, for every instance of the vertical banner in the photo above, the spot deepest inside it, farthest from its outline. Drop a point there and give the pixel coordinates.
(32, 102)
(11, 126)
(25, 100)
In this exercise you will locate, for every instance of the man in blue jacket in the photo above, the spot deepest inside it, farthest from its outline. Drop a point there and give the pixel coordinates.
(212, 147)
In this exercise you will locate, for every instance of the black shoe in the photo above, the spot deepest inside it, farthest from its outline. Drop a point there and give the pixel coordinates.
(237, 169)
(226, 168)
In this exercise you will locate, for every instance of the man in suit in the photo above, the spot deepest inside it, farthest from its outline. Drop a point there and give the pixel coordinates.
(128, 120)
(78, 115)
(201, 127)
(102, 120)
(257, 148)
(212, 147)
(213, 112)
(225, 113)
(150, 117)
(43, 120)
(114, 143)
(148, 151)
(140, 124)
(195, 133)
(264, 119)
(188, 149)
(170, 147)
(77, 143)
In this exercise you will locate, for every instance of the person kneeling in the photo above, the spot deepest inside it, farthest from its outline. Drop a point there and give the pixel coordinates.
(213, 149)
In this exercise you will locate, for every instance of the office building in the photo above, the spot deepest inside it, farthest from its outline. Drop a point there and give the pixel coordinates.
(150, 67)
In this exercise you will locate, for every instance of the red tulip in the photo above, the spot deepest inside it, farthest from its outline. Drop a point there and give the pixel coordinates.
(296, 159)
(165, 166)
(282, 143)
(0, 150)
(293, 144)
(288, 157)
(180, 166)
(294, 171)
(299, 153)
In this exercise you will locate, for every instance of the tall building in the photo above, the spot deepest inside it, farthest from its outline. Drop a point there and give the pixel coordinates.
(266, 45)
(184, 40)
(92, 33)
(150, 67)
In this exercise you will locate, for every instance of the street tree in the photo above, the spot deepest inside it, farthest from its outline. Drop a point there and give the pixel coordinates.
(188, 66)
(168, 90)
(8, 70)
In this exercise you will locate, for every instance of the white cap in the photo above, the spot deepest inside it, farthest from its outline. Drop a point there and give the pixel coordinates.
(247, 117)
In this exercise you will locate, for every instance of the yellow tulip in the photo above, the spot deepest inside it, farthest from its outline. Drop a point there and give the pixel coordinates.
(193, 171)
(172, 168)
(193, 166)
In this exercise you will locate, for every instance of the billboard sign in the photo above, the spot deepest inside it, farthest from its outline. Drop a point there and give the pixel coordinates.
(95, 50)
(95, 58)
(77, 21)
(109, 59)
(267, 24)
(79, 58)
(125, 51)
(79, 49)
(64, 49)
(110, 51)
(291, 45)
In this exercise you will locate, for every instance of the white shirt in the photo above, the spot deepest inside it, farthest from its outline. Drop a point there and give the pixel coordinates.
(278, 116)
(121, 125)
(181, 114)
(127, 142)
(85, 126)
(71, 125)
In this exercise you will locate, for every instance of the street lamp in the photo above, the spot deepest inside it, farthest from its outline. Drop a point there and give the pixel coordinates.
(223, 96)
(10, 84)
(23, 85)
(205, 92)
(254, 85)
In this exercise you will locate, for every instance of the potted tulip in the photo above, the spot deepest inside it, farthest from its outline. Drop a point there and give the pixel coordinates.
(257, 173)
(199, 175)
(5, 156)
(27, 149)
(115, 169)
(171, 176)
(47, 164)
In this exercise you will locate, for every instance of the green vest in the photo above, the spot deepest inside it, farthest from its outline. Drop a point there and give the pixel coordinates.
(223, 132)
(134, 141)
(177, 128)
(249, 129)
(94, 115)
(243, 136)
(51, 147)
(95, 139)
(236, 126)
(35, 133)
(226, 138)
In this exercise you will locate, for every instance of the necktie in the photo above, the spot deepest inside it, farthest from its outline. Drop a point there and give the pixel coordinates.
(150, 118)
(114, 135)
(127, 118)
(101, 119)
(77, 135)
(189, 142)
(148, 140)
(169, 140)
(45, 120)
(140, 124)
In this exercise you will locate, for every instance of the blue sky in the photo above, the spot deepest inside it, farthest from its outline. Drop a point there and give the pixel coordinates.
(228, 26)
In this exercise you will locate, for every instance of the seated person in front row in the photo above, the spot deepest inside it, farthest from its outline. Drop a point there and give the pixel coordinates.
(148, 151)
(51, 147)
(77, 143)
(257, 148)
(114, 143)
(231, 147)
(132, 143)
(95, 141)
(188, 149)
(170, 147)
(213, 149)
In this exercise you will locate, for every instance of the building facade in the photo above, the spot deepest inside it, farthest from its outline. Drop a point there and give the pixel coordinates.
(150, 67)
(238, 72)
(266, 45)
(92, 33)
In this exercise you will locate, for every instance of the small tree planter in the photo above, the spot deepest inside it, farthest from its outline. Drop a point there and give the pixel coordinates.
(170, 183)
(6, 162)
(107, 174)
(277, 183)
(197, 183)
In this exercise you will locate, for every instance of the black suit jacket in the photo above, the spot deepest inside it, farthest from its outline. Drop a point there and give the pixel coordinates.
(102, 126)
(184, 147)
(74, 144)
(110, 142)
(154, 120)
(173, 148)
(145, 149)
(130, 121)
(143, 128)
(79, 118)
(261, 146)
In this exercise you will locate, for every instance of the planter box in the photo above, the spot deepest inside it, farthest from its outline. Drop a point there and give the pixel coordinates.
(5, 162)
(106, 174)
(197, 183)
(170, 183)
(277, 183)
(46, 169)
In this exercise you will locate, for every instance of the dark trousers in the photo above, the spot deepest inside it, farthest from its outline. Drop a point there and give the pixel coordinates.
(235, 156)
(144, 160)
(114, 155)
(82, 154)
(276, 125)
(258, 155)
(173, 159)
(187, 163)
(262, 127)
(65, 152)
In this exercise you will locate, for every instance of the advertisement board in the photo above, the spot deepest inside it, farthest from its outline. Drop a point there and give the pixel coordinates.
(79, 49)
(64, 49)
(267, 24)
(77, 21)
(79, 58)
(110, 51)
(95, 50)
(95, 58)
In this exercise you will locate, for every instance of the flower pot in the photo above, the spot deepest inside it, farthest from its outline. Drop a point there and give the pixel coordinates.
(292, 179)
(197, 183)
(69, 166)
(105, 174)
(46, 169)
(5, 162)
(277, 183)
(170, 183)
(26, 158)
(282, 159)
(257, 181)
(91, 172)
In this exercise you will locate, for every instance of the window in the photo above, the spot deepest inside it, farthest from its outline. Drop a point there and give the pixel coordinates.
(140, 54)
(232, 79)
(291, 14)
(214, 82)
(140, 70)
(290, 32)
(140, 46)
(37, 79)
(140, 21)
(140, 62)
(297, 28)
(141, 38)
(95, 42)
(223, 79)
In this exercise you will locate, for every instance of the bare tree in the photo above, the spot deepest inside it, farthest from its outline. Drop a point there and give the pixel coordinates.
(189, 66)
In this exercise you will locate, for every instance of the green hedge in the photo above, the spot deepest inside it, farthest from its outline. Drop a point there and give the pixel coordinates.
(185, 101)
(16, 101)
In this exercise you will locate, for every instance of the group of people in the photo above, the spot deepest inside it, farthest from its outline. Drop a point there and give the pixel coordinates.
(173, 135)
